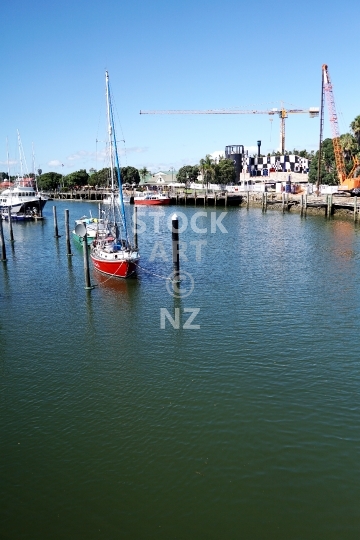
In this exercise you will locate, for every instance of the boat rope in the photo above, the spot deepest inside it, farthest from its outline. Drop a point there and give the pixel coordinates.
(153, 273)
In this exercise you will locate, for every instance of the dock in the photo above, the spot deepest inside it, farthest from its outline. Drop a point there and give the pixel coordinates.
(328, 205)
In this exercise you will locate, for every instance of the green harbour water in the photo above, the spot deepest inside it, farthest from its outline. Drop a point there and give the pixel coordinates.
(246, 427)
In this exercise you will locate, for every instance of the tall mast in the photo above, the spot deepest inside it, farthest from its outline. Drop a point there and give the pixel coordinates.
(20, 155)
(110, 134)
(33, 166)
(318, 182)
(7, 156)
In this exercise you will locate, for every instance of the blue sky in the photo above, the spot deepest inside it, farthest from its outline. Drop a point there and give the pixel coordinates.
(162, 55)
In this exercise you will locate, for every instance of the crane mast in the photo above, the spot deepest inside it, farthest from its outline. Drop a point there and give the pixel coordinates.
(328, 91)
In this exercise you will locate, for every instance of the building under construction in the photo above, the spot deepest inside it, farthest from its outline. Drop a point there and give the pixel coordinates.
(264, 165)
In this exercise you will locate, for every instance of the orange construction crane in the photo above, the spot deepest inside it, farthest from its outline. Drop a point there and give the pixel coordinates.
(282, 113)
(347, 182)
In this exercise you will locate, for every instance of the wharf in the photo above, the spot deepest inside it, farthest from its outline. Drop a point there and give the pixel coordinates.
(328, 205)
(201, 197)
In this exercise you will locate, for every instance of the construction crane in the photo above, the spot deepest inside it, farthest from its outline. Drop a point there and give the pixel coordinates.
(281, 112)
(347, 182)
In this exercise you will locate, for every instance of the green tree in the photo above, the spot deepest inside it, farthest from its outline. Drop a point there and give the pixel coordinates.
(355, 128)
(225, 171)
(77, 178)
(350, 149)
(100, 178)
(328, 165)
(188, 173)
(143, 173)
(129, 175)
(49, 181)
(207, 168)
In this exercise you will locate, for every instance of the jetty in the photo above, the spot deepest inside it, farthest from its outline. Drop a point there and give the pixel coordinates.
(327, 205)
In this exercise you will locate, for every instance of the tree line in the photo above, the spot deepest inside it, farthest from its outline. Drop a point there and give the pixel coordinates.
(212, 171)
(51, 181)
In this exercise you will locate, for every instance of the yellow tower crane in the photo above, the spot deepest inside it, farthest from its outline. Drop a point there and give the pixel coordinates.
(281, 112)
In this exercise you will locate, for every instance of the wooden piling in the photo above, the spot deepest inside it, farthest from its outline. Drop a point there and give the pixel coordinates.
(226, 196)
(301, 205)
(283, 201)
(10, 225)
(305, 203)
(195, 197)
(67, 232)
(247, 200)
(56, 230)
(175, 248)
(88, 285)
(3, 247)
(40, 210)
(355, 209)
(265, 201)
(329, 206)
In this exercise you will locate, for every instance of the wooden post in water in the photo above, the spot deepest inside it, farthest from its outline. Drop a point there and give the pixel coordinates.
(214, 198)
(305, 203)
(56, 234)
(175, 248)
(355, 209)
(330, 205)
(135, 227)
(283, 201)
(248, 200)
(88, 285)
(3, 247)
(67, 232)
(10, 225)
(301, 204)
(262, 201)
(195, 197)
(226, 196)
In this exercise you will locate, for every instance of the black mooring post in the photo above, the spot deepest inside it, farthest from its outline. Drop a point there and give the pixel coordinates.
(3, 247)
(88, 285)
(40, 210)
(10, 225)
(175, 248)
(56, 230)
(67, 232)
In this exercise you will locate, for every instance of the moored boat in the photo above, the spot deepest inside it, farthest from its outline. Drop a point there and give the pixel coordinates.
(152, 199)
(113, 254)
(22, 199)
(94, 228)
